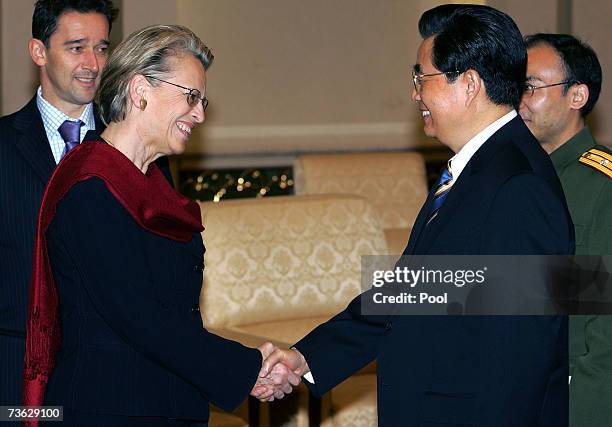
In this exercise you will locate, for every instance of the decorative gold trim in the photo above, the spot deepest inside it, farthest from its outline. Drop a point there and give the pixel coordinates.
(598, 160)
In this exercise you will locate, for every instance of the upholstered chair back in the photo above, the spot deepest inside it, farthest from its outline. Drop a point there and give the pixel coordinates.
(394, 183)
(283, 258)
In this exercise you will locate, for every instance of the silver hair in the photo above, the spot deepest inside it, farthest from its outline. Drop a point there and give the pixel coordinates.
(144, 52)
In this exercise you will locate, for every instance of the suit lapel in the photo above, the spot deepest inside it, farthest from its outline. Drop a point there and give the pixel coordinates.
(424, 235)
(419, 224)
(33, 143)
(456, 194)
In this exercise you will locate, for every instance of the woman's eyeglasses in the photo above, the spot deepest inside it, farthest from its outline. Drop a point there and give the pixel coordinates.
(193, 95)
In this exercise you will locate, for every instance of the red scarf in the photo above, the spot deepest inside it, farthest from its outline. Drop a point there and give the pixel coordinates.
(149, 199)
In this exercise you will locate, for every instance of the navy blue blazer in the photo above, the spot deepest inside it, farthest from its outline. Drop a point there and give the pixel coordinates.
(469, 370)
(133, 340)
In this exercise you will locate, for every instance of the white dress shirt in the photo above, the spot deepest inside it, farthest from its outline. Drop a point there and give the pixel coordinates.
(53, 118)
(459, 160)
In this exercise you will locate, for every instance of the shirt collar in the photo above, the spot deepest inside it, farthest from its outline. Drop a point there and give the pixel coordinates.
(53, 118)
(458, 162)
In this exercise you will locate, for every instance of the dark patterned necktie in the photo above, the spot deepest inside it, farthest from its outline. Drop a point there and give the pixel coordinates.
(71, 134)
(443, 186)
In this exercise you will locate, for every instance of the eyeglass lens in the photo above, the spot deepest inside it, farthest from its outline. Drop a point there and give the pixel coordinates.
(194, 96)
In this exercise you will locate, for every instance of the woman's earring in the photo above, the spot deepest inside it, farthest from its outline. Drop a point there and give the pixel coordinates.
(143, 104)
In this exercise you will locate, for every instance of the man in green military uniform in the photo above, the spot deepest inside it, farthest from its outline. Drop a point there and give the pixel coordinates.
(563, 84)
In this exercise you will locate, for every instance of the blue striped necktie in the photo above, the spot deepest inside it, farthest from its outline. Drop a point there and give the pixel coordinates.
(443, 186)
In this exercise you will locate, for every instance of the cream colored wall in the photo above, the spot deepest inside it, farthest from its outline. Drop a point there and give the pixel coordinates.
(136, 14)
(591, 22)
(530, 16)
(18, 73)
(293, 76)
(586, 19)
(299, 76)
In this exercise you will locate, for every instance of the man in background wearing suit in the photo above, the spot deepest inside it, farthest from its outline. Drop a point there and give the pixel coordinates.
(69, 44)
(563, 84)
(499, 195)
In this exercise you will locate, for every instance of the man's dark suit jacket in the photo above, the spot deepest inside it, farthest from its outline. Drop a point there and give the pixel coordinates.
(26, 164)
(133, 341)
(470, 370)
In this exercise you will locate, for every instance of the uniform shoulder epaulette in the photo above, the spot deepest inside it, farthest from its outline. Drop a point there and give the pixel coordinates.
(599, 160)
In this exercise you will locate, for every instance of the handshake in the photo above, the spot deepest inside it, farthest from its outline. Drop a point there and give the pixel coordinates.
(281, 370)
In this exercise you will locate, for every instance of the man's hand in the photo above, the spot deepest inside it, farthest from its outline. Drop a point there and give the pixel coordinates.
(286, 366)
(292, 359)
(277, 381)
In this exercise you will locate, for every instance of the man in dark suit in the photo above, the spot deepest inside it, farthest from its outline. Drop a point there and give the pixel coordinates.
(69, 44)
(499, 195)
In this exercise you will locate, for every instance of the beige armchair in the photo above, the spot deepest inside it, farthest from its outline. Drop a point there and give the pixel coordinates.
(395, 184)
(278, 267)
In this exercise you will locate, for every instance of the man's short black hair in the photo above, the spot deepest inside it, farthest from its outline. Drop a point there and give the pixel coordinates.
(579, 61)
(479, 38)
(47, 12)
